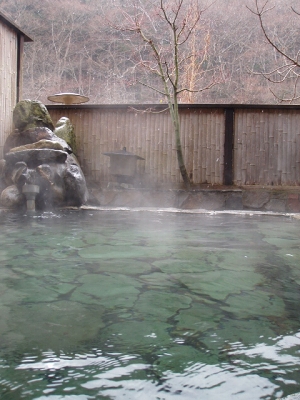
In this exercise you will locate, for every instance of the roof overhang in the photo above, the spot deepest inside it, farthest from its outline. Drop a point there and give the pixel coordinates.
(7, 21)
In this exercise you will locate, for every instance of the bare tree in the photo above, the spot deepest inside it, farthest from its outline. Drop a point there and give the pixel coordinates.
(164, 28)
(75, 50)
(287, 62)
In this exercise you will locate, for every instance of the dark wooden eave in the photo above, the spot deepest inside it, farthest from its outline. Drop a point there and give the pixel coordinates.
(7, 21)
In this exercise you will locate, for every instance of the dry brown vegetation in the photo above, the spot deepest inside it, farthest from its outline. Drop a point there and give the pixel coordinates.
(76, 48)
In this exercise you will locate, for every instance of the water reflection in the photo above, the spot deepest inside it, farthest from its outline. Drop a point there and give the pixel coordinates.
(127, 377)
(149, 305)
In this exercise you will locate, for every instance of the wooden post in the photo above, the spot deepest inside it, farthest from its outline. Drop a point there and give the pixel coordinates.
(228, 147)
(20, 50)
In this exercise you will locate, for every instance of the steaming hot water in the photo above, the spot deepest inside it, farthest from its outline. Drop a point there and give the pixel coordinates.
(149, 305)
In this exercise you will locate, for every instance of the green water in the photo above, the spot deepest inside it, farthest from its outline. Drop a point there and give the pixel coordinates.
(149, 305)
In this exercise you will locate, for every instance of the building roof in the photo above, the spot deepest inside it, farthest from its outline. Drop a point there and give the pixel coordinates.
(9, 22)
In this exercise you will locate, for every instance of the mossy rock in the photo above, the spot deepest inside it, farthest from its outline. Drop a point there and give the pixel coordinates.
(65, 130)
(30, 114)
(41, 144)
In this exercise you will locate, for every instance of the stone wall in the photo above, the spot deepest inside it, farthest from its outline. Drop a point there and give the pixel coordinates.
(249, 198)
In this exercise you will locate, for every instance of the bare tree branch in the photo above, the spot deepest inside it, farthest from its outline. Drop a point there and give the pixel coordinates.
(152, 88)
(289, 69)
(169, 60)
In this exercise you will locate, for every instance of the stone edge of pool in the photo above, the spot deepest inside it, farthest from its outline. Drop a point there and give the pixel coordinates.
(210, 198)
(181, 211)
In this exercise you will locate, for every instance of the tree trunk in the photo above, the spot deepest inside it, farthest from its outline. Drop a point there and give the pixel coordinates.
(176, 124)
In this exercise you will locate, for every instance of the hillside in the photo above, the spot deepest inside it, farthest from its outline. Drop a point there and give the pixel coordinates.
(76, 48)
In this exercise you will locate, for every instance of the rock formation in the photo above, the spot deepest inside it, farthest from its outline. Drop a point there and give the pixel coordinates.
(38, 154)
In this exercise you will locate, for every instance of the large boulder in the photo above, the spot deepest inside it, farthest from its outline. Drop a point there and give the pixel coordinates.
(32, 136)
(41, 144)
(61, 184)
(30, 114)
(75, 185)
(36, 155)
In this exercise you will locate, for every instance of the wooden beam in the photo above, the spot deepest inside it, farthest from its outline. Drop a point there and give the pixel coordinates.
(228, 146)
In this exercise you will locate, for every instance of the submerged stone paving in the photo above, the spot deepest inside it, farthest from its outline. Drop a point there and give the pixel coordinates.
(169, 290)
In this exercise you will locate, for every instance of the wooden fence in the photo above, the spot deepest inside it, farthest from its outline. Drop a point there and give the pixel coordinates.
(223, 144)
(267, 146)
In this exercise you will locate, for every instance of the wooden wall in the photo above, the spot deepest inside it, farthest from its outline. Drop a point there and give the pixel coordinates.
(257, 144)
(267, 147)
(149, 135)
(8, 80)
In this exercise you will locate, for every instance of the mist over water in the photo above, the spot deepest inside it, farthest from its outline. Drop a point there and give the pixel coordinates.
(148, 304)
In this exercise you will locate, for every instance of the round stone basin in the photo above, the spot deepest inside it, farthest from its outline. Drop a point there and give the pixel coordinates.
(68, 98)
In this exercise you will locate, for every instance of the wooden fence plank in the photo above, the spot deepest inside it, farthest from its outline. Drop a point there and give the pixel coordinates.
(263, 143)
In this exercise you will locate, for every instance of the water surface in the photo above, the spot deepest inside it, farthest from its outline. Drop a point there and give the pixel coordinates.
(149, 305)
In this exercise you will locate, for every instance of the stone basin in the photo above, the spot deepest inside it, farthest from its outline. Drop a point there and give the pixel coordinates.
(68, 98)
